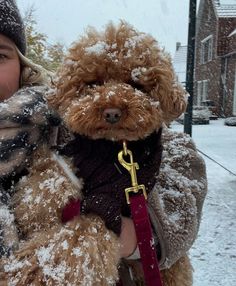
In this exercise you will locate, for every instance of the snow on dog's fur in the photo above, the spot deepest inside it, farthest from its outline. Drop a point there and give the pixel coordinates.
(122, 69)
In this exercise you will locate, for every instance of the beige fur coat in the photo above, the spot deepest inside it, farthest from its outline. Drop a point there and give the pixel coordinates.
(175, 204)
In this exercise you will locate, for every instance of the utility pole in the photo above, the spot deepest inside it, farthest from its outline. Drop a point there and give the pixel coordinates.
(190, 66)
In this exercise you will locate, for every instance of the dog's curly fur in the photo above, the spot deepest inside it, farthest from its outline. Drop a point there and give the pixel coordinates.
(123, 69)
(120, 68)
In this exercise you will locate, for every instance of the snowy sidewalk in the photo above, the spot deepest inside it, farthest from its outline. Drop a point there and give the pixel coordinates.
(214, 252)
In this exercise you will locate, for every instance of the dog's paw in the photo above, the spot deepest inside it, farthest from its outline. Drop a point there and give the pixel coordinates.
(83, 252)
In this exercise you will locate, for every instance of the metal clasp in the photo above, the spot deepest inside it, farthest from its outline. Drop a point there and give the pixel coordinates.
(131, 167)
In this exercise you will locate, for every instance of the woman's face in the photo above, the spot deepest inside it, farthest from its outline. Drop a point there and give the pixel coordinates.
(9, 68)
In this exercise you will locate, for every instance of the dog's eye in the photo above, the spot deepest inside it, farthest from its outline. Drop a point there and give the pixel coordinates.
(95, 83)
(92, 83)
(136, 85)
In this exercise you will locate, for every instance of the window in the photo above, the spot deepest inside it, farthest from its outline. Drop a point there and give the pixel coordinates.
(205, 90)
(209, 15)
(206, 49)
(202, 91)
(199, 92)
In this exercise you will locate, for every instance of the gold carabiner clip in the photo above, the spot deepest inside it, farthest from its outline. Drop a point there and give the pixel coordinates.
(131, 167)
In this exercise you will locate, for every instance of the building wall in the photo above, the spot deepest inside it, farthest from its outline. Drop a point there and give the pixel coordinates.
(230, 81)
(232, 43)
(227, 50)
(226, 44)
(211, 70)
(223, 62)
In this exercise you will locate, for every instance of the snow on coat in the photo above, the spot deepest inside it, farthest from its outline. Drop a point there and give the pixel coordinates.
(25, 120)
(175, 204)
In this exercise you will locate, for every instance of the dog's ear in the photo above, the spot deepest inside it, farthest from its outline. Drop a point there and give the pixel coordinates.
(170, 94)
(173, 102)
(64, 89)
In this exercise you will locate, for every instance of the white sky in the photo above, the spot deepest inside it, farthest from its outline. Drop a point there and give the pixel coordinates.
(166, 20)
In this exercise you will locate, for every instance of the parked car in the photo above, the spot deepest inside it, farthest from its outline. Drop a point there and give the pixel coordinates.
(201, 115)
(230, 121)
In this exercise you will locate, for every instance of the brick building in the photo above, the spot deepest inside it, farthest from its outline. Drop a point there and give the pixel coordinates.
(215, 55)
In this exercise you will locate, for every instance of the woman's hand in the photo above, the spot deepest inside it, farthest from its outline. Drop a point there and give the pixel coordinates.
(128, 239)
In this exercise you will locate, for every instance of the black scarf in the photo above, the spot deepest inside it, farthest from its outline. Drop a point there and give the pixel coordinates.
(25, 121)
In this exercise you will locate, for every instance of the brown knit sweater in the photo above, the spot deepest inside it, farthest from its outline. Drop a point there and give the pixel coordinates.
(105, 179)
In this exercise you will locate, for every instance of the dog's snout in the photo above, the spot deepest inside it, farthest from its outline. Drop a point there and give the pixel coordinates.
(112, 115)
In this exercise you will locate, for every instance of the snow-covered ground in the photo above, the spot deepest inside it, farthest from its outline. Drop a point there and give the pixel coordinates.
(214, 252)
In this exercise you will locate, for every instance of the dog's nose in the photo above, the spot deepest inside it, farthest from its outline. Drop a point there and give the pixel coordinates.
(112, 115)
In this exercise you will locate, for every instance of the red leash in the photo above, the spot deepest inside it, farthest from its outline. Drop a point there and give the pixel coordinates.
(143, 231)
(145, 240)
(138, 206)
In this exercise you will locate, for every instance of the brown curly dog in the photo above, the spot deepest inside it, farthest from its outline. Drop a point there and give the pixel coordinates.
(122, 69)
(116, 85)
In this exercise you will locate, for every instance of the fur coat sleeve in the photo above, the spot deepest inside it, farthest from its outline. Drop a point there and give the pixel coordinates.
(25, 123)
(175, 203)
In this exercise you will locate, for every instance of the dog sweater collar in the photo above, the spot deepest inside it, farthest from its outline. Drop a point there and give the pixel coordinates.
(98, 165)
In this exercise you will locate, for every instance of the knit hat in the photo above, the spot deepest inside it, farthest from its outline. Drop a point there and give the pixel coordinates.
(11, 24)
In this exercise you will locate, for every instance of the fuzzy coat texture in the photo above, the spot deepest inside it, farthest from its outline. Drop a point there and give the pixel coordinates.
(119, 69)
(25, 121)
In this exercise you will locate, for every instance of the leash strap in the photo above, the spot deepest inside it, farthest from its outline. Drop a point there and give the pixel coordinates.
(136, 196)
(145, 240)
(71, 210)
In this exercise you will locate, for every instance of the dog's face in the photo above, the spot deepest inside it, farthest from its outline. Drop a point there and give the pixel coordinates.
(114, 111)
(117, 85)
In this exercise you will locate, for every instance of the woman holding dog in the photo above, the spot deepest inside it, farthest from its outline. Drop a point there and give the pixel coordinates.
(22, 108)
(24, 116)
(21, 84)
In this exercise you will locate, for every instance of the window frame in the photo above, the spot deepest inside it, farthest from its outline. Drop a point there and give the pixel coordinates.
(207, 43)
(202, 91)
